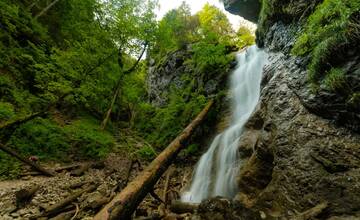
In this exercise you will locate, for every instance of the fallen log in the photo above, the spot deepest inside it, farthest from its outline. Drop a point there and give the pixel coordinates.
(123, 205)
(311, 213)
(24, 196)
(67, 167)
(59, 207)
(165, 191)
(21, 120)
(81, 170)
(25, 160)
(65, 215)
(179, 207)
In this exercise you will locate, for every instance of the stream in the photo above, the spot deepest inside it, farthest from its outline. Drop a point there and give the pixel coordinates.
(216, 172)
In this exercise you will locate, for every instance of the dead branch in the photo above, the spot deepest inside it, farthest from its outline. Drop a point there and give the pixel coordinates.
(124, 204)
(25, 160)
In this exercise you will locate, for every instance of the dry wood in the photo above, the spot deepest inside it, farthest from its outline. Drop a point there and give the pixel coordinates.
(81, 170)
(25, 160)
(313, 212)
(65, 215)
(155, 196)
(167, 180)
(183, 207)
(78, 184)
(86, 166)
(58, 207)
(21, 120)
(124, 204)
(24, 196)
(67, 167)
(46, 9)
(31, 173)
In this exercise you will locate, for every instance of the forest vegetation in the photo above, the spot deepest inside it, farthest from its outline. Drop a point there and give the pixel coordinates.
(77, 62)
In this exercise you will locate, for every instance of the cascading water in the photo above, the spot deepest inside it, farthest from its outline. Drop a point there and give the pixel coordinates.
(217, 169)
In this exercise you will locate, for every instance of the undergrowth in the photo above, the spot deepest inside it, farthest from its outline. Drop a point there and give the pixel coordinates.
(331, 31)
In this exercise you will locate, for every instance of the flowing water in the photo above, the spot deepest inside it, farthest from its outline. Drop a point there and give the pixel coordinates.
(217, 169)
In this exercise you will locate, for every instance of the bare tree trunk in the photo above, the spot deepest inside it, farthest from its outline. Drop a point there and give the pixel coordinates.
(46, 9)
(108, 112)
(25, 160)
(32, 4)
(118, 86)
(123, 205)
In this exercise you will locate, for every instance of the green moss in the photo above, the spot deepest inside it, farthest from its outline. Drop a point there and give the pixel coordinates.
(328, 31)
(263, 20)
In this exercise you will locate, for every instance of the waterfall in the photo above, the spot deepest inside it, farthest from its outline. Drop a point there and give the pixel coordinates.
(217, 169)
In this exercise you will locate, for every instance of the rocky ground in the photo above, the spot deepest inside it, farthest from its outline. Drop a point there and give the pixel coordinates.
(97, 185)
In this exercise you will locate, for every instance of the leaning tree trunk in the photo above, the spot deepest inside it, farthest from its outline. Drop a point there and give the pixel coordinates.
(118, 86)
(124, 204)
(46, 9)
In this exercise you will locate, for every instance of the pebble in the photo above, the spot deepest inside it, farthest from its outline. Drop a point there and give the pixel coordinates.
(15, 214)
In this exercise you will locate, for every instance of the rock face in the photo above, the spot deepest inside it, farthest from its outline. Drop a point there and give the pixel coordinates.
(173, 73)
(300, 151)
(299, 160)
(249, 9)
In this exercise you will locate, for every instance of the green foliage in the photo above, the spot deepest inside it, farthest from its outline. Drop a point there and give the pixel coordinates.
(164, 124)
(354, 100)
(87, 140)
(208, 57)
(328, 30)
(40, 137)
(68, 59)
(6, 111)
(147, 153)
(214, 22)
(179, 28)
(335, 79)
(244, 37)
(9, 167)
(191, 149)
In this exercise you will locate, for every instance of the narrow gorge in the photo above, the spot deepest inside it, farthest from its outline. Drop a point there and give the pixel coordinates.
(189, 110)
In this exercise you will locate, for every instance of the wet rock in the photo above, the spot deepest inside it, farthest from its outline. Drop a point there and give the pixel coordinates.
(174, 73)
(301, 159)
(219, 208)
(245, 8)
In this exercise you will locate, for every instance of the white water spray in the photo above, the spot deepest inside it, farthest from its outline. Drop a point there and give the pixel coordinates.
(217, 169)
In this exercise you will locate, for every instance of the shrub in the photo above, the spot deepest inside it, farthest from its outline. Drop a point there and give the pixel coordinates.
(335, 79)
(328, 31)
(9, 167)
(41, 137)
(146, 152)
(6, 111)
(88, 140)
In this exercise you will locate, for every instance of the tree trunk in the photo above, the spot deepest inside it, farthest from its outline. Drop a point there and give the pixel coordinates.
(108, 112)
(124, 204)
(25, 160)
(118, 85)
(46, 9)
(183, 207)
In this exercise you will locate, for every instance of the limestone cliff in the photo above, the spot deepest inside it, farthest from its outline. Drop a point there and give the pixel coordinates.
(174, 73)
(300, 152)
